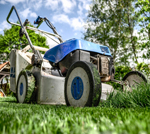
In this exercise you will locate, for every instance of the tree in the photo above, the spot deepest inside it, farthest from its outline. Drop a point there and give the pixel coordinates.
(143, 7)
(132, 21)
(11, 40)
(111, 23)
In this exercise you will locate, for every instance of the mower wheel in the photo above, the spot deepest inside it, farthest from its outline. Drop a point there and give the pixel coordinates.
(132, 79)
(82, 85)
(25, 87)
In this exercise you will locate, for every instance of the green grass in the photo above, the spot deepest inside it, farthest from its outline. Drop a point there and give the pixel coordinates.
(139, 97)
(38, 119)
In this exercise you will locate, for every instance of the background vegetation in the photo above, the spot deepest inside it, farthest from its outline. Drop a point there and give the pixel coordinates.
(11, 40)
(123, 26)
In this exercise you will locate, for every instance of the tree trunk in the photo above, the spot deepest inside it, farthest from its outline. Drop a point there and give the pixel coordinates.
(131, 34)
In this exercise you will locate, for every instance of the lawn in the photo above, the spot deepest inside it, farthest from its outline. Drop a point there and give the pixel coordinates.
(38, 119)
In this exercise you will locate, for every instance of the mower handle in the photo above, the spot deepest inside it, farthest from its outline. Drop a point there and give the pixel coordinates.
(39, 21)
(13, 7)
(23, 29)
(22, 26)
(28, 27)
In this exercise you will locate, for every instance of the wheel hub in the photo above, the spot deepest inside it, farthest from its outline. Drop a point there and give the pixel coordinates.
(21, 88)
(77, 88)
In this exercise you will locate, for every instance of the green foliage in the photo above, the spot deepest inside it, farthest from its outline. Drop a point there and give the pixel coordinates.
(11, 40)
(139, 97)
(33, 118)
(120, 72)
(143, 7)
(31, 88)
(6, 89)
(111, 23)
(144, 68)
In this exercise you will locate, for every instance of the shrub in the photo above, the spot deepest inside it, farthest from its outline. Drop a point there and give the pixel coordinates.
(120, 72)
(144, 68)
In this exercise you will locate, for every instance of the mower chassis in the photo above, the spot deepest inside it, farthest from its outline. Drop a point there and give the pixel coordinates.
(50, 88)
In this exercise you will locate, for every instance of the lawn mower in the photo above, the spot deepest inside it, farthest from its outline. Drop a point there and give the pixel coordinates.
(71, 73)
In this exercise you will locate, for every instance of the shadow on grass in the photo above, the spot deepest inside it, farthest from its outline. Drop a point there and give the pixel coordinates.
(8, 99)
(11, 103)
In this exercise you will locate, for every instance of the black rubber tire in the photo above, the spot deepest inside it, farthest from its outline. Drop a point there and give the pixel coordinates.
(137, 80)
(25, 93)
(92, 92)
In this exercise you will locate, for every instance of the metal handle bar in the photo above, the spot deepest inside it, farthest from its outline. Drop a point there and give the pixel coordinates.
(13, 7)
(22, 26)
(38, 58)
(53, 28)
(39, 21)
(28, 27)
(41, 31)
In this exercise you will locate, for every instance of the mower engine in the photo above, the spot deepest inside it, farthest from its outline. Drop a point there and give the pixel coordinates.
(69, 52)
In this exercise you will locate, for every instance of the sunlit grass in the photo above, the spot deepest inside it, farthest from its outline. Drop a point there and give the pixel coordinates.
(38, 119)
(139, 97)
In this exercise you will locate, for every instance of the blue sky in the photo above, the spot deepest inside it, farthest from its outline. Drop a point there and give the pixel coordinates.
(68, 16)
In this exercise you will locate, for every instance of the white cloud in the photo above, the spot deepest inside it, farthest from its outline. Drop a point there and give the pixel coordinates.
(52, 4)
(75, 23)
(11, 1)
(2, 2)
(60, 10)
(80, 11)
(75, 34)
(87, 7)
(34, 15)
(83, 7)
(66, 5)
(61, 18)
(36, 4)
(27, 12)
(86, 4)
(5, 25)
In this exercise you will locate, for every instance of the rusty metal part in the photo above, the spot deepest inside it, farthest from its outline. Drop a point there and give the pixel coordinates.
(105, 79)
(102, 63)
(104, 66)
(117, 81)
(2, 94)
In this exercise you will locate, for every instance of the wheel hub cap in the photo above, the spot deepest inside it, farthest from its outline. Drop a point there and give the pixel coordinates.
(21, 88)
(77, 88)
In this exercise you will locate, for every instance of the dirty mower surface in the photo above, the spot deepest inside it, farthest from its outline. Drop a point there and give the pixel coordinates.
(38, 119)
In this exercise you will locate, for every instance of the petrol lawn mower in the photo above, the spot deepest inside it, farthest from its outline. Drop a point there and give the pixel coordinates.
(71, 73)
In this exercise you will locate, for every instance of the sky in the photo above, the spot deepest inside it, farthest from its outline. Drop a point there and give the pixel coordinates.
(68, 16)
